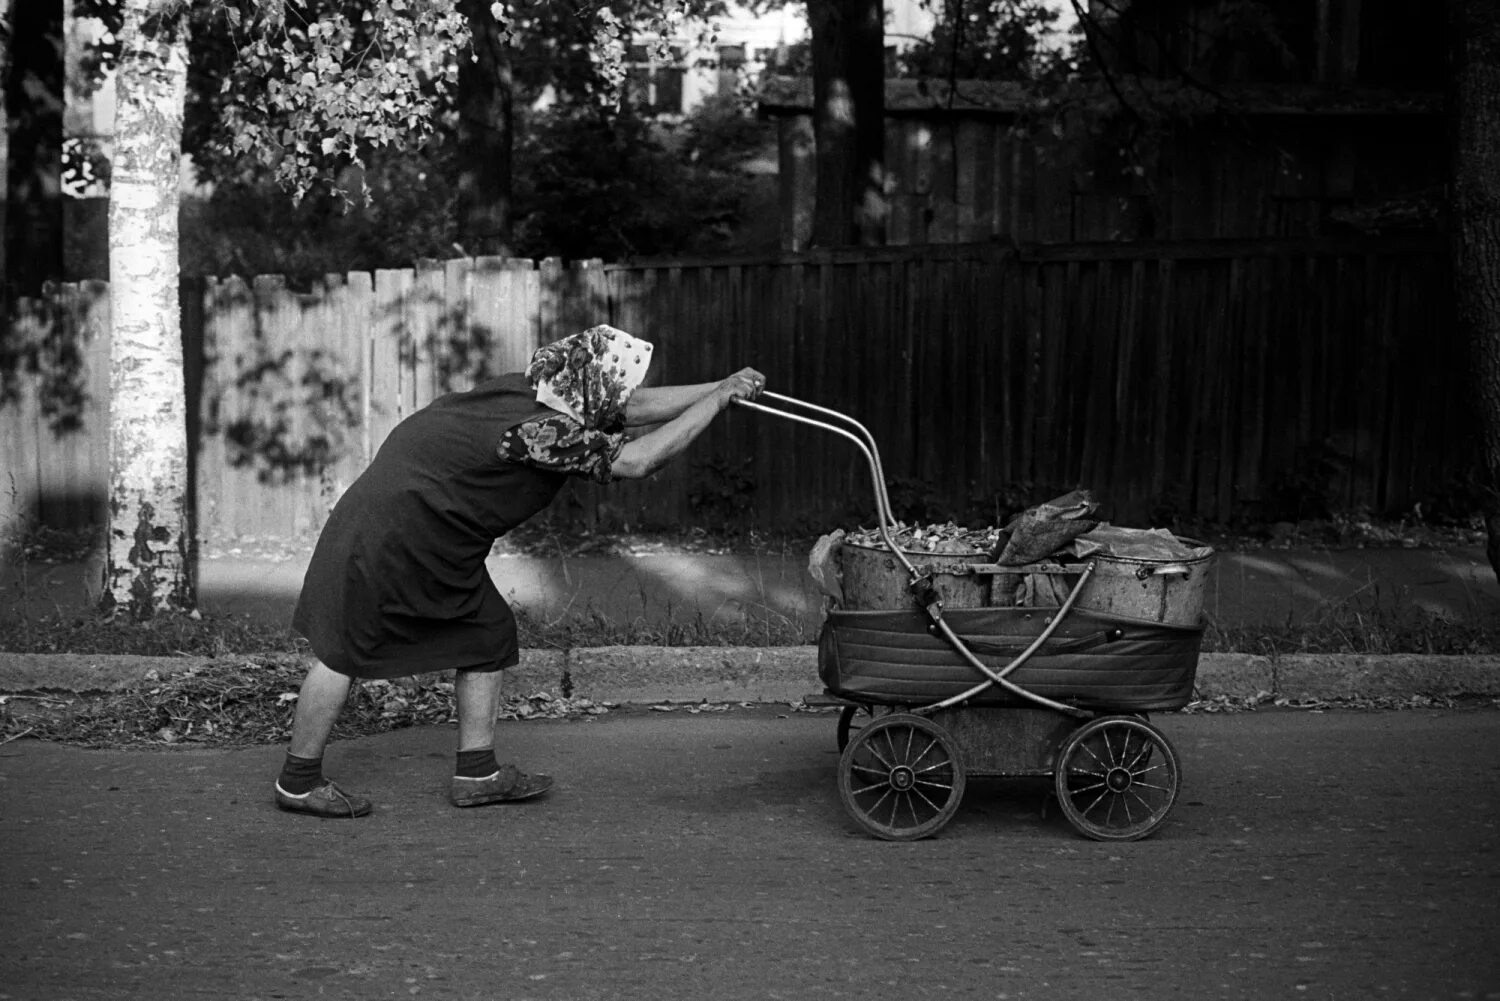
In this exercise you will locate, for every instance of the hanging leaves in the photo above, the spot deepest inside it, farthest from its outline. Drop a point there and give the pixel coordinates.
(315, 92)
(318, 86)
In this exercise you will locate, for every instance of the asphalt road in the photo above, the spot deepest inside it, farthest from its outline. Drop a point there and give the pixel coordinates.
(1336, 855)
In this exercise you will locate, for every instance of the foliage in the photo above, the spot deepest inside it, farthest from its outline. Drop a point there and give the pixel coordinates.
(915, 500)
(302, 91)
(254, 227)
(589, 185)
(244, 54)
(320, 99)
(988, 40)
(723, 490)
(720, 135)
(1179, 39)
(318, 91)
(1308, 489)
(613, 186)
(33, 58)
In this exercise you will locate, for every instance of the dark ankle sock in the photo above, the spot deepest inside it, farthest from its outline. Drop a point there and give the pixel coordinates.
(300, 775)
(477, 764)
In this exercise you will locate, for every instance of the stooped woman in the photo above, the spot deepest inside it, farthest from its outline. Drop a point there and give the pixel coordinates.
(397, 584)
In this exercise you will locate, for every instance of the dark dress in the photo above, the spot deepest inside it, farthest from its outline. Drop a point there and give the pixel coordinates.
(397, 584)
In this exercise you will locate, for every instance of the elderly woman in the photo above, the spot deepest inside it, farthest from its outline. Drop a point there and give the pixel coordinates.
(397, 584)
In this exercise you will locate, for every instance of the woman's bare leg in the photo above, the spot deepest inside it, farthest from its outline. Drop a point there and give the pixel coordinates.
(477, 695)
(322, 698)
(301, 787)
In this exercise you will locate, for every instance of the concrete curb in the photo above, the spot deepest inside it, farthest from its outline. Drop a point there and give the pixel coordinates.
(630, 674)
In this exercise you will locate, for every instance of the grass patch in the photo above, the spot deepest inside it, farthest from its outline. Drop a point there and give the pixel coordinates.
(760, 627)
(1370, 623)
(1373, 622)
(163, 636)
(230, 635)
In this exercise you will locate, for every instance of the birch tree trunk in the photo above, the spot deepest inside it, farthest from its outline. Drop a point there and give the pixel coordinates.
(1474, 104)
(147, 569)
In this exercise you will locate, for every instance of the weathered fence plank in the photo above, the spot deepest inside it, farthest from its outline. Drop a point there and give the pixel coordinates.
(426, 318)
(390, 337)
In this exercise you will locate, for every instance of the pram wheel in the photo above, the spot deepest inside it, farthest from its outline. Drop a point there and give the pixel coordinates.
(1116, 778)
(901, 777)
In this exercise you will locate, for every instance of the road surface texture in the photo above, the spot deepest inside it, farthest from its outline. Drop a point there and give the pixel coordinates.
(1338, 855)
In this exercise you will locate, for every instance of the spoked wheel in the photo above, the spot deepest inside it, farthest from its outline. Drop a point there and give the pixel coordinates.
(852, 719)
(1117, 778)
(901, 777)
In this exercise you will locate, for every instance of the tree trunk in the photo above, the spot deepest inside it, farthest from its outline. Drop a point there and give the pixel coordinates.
(485, 135)
(848, 50)
(1474, 100)
(5, 46)
(147, 566)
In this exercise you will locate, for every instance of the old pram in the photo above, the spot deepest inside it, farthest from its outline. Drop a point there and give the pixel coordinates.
(945, 693)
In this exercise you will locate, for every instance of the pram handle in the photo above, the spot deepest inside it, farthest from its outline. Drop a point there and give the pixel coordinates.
(920, 584)
(862, 439)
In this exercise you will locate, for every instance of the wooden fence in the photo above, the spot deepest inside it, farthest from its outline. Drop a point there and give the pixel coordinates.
(1207, 379)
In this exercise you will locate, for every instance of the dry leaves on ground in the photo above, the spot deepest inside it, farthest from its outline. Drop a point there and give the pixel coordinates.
(239, 702)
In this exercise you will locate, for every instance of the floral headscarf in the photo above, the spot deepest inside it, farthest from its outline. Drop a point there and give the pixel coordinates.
(590, 376)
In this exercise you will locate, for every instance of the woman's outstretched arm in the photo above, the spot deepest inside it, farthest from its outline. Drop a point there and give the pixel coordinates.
(643, 456)
(659, 404)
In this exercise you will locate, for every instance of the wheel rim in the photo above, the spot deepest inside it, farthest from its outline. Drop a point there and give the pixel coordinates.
(900, 777)
(1117, 779)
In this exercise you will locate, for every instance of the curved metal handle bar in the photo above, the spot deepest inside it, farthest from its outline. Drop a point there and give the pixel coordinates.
(865, 442)
(999, 677)
(870, 457)
(882, 494)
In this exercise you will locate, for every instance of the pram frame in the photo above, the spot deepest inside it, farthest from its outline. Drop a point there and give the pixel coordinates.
(1108, 757)
(921, 584)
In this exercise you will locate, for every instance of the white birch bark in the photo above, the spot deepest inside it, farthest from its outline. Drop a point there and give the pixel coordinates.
(147, 568)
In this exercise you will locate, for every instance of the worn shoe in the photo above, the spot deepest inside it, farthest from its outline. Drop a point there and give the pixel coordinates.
(327, 800)
(507, 785)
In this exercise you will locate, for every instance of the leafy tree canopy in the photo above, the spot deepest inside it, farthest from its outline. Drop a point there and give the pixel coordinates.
(989, 40)
(303, 90)
(588, 184)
